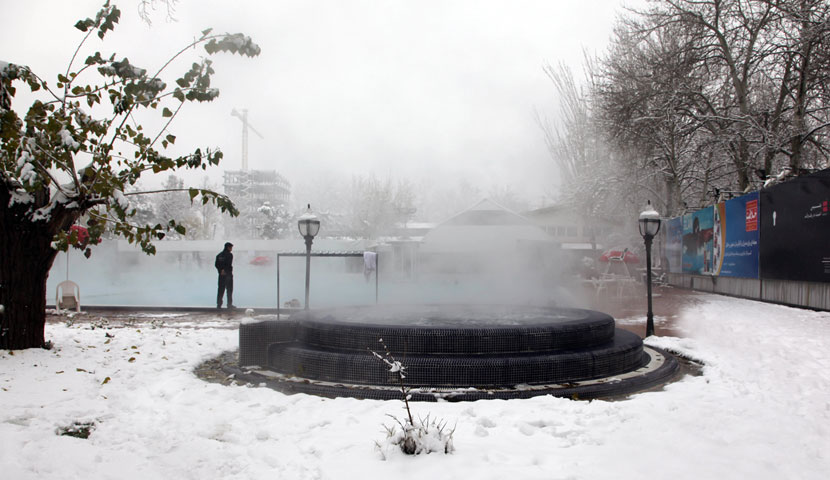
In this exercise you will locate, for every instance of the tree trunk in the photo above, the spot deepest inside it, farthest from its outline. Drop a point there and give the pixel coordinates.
(742, 164)
(673, 199)
(803, 68)
(26, 256)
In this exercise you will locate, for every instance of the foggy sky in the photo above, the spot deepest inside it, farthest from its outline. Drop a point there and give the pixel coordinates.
(428, 89)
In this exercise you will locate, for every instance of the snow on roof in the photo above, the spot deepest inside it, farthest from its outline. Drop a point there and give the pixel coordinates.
(487, 212)
(484, 227)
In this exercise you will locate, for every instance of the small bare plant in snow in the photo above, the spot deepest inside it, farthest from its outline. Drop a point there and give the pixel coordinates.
(411, 436)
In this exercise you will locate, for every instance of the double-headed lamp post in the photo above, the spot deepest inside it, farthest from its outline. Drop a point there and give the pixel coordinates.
(309, 227)
(649, 226)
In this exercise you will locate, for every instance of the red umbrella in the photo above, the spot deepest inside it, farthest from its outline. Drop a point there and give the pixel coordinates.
(618, 254)
(261, 261)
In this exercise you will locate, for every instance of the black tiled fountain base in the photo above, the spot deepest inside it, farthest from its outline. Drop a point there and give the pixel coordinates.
(661, 368)
(500, 352)
(622, 354)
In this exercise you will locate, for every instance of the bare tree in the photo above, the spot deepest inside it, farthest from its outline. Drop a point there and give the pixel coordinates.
(593, 177)
(569, 139)
(647, 101)
(732, 40)
(376, 205)
(697, 97)
(145, 8)
(804, 52)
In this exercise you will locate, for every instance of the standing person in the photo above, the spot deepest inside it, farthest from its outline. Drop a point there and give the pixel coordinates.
(224, 264)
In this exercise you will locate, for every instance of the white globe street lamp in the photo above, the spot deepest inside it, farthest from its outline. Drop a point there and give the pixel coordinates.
(649, 223)
(309, 228)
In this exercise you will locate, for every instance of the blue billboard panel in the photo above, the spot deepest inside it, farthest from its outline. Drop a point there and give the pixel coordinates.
(698, 240)
(736, 237)
(674, 244)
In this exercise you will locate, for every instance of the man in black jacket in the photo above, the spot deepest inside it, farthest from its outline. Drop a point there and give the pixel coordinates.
(224, 264)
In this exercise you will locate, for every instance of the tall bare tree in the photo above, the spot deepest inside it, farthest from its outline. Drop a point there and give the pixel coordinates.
(804, 51)
(700, 96)
(593, 177)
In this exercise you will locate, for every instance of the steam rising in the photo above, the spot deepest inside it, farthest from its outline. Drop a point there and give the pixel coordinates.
(128, 277)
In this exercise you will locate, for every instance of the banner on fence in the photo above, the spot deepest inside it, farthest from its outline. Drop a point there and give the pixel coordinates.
(795, 229)
(736, 234)
(698, 240)
(674, 244)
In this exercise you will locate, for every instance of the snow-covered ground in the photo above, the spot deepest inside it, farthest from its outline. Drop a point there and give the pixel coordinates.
(761, 409)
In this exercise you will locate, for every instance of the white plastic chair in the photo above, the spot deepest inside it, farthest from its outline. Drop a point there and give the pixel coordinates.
(68, 295)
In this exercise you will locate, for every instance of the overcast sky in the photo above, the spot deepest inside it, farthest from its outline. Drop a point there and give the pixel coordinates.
(407, 89)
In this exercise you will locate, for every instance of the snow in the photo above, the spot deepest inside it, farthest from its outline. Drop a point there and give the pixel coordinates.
(20, 196)
(759, 410)
(25, 158)
(28, 174)
(68, 141)
(120, 199)
(650, 214)
(107, 70)
(58, 198)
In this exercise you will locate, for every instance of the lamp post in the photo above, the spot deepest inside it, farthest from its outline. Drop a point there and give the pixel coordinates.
(309, 227)
(649, 223)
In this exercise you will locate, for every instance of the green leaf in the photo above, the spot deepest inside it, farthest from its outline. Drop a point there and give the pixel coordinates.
(166, 112)
(84, 25)
(95, 59)
(192, 192)
(171, 138)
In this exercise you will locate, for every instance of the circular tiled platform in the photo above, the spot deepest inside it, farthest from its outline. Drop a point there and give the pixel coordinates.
(458, 352)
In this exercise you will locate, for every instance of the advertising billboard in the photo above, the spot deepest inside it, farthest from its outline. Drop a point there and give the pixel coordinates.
(736, 237)
(698, 241)
(795, 229)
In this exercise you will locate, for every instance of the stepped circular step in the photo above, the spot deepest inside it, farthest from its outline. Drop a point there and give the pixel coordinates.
(458, 351)
(453, 329)
(624, 353)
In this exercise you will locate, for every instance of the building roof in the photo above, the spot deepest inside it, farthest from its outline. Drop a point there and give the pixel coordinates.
(484, 227)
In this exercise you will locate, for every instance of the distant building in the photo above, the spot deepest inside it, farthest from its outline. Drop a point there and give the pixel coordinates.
(249, 190)
(485, 237)
(258, 186)
(570, 229)
(580, 239)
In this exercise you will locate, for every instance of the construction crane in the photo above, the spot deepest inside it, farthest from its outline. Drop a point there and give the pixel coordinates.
(245, 127)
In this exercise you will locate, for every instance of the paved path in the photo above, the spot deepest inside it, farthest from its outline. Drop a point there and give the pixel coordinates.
(667, 303)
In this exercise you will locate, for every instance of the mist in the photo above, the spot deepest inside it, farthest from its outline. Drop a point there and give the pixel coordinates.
(427, 91)
(438, 95)
(176, 280)
(494, 266)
